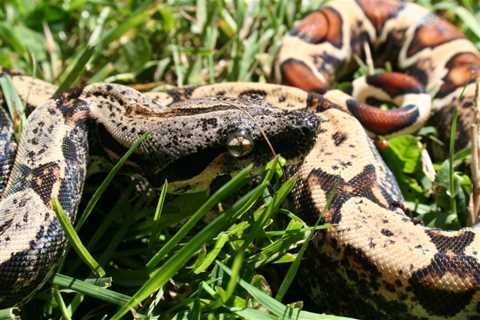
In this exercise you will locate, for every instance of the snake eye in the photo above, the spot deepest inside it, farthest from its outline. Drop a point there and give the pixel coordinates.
(239, 143)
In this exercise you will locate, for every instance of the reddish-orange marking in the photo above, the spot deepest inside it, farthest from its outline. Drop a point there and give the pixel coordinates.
(395, 83)
(432, 32)
(320, 26)
(463, 69)
(314, 26)
(297, 74)
(379, 11)
(383, 121)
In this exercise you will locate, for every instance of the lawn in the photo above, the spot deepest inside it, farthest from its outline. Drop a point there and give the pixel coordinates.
(203, 255)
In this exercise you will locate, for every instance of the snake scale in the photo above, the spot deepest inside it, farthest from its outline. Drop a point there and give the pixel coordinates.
(404, 270)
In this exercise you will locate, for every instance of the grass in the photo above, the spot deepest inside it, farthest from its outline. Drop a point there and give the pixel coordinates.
(193, 256)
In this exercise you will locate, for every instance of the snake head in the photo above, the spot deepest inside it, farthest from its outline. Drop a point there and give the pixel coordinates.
(227, 134)
(189, 136)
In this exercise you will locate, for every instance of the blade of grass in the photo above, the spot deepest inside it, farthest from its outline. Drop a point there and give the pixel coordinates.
(101, 230)
(9, 37)
(79, 66)
(245, 313)
(158, 212)
(16, 108)
(257, 229)
(91, 290)
(233, 185)
(467, 17)
(75, 303)
(77, 69)
(105, 183)
(275, 306)
(160, 277)
(236, 267)
(9, 314)
(451, 153)
(252, 314)
(293, 269)
(63, 308)
(134, 19)
(75, 241)
(221, 240)
(116, 238)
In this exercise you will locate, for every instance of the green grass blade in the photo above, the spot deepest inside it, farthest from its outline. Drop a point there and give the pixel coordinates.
(220, 242)
(134, 19)
(9, 314)
(161, 201)
(77, 70)
(116, 238)
(181, 257)
(158, 212)
(451, 154)
(252, 314)
(75, 241)
(91, 290)
(79, 66)
(293, 269)
(101, 230)
(105, 183)
(63, 308)
(275, 306)
(245, 313)
(9, 37)
(257, 229)
(237, 182)
(75, 302)
(16, 108)
(236, 267)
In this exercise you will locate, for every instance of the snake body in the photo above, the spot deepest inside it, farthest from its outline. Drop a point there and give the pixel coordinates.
(52, 155)
(429, 51)
(398, 266)
(403, 269)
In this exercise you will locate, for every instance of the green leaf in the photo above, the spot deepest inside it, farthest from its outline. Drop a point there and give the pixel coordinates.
(11, 38)
(9, 314)
(407, 150)
(275, 306)
(79, 66)
(91, 290)
(252, 314)
(75, 241)
(66, 314)
(158, 212)
(237, 182)
(16, 108)
(108, 179)
(160, 276)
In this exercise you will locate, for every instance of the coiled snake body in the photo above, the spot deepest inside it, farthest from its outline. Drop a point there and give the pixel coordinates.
(397, 265)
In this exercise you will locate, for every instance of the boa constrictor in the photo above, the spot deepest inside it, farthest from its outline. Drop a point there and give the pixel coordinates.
(405, 270)
(396, 265)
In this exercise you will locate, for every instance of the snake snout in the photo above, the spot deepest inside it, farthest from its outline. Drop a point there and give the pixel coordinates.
(296, 133)
(310, 123)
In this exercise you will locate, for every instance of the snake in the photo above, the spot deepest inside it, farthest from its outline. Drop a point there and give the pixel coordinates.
(400, 268)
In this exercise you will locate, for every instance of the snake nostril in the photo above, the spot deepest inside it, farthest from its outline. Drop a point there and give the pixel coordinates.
(311, 123)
